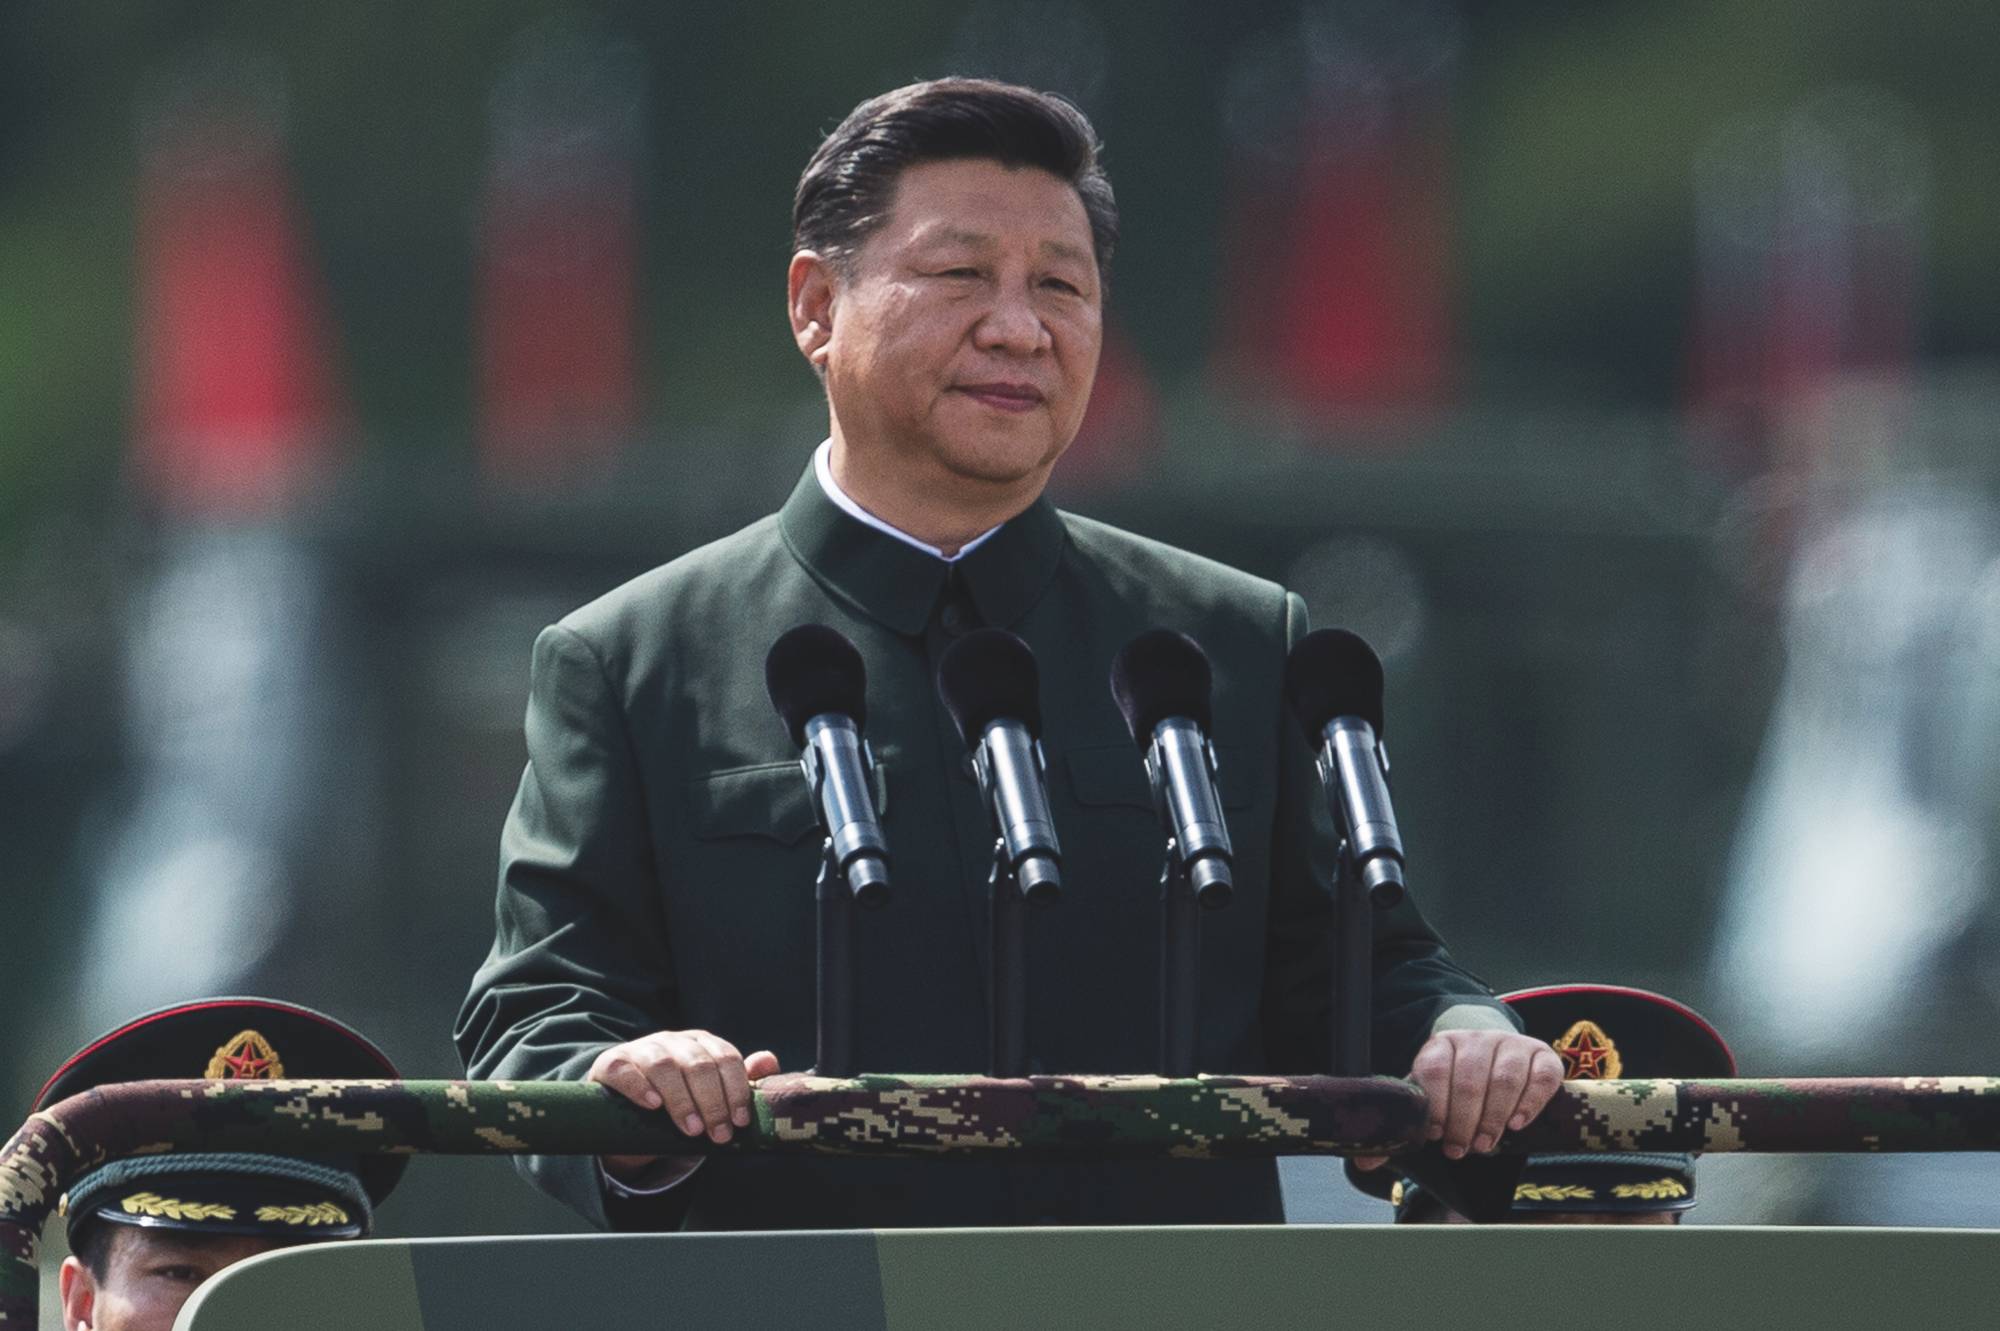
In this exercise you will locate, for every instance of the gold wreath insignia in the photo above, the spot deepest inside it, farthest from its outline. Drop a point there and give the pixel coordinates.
(1653, 1190)
(1554, 1192)
(245, 1056)
(317, 1213)
(1588, 1054)
(155, 1206)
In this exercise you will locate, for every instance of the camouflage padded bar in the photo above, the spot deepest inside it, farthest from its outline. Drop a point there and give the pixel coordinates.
(1857, 1115)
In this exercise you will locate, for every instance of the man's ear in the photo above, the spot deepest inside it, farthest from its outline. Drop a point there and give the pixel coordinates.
(78, 1289)
(809, 298)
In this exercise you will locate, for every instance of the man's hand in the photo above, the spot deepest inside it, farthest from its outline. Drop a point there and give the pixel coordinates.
(697, 1077)
(1480, 1083)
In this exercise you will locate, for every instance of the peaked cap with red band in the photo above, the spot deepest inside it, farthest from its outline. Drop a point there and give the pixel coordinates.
(1602, 1032)
(266, 1195)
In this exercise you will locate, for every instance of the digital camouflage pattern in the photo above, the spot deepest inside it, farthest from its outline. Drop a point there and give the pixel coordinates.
(1803, 1114)
(1199, 1117)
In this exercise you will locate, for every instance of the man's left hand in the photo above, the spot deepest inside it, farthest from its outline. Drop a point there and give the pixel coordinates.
(1480, 1083)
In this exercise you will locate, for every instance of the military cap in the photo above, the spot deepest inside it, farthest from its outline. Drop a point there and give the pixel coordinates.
(274, 1196)
(1602, 1032)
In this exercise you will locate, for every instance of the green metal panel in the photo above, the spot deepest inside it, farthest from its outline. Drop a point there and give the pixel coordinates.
(366, 1283)
(573, 1280)
(643, 1280)
(1527, 1277)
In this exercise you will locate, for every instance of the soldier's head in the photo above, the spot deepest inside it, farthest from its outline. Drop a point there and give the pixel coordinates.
(1603, 1032)
(145, 1231)
(952, 241)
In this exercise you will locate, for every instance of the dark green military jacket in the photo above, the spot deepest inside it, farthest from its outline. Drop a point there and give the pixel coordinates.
(657, 867)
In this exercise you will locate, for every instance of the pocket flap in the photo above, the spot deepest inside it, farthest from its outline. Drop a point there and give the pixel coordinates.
(1109, 775)
(770, 800)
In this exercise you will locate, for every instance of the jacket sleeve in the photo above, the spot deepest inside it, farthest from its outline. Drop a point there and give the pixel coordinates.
(1415, 981)
(580, 959)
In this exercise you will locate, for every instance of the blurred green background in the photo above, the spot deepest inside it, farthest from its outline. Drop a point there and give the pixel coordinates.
(1627, 372)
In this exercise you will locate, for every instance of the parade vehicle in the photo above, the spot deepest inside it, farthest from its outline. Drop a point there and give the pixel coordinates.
(1501, 1275)
(1488, 1275)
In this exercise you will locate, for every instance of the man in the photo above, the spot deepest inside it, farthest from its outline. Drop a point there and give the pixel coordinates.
(952, 241)
(145, 1231)
(1601, 1032)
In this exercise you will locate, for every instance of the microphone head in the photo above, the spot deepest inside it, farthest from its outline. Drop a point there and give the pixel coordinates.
(1161, 673)
(986, 675)
(813, 670)
(1333, 673)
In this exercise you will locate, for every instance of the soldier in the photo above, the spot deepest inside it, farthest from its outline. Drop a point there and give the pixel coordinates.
(145, 1231)
(1601, 1032)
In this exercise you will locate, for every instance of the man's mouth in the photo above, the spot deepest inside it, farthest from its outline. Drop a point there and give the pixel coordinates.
(1004, 396)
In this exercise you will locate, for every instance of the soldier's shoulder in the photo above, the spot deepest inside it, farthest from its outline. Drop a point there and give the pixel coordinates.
(704, 581)
(1144, 570)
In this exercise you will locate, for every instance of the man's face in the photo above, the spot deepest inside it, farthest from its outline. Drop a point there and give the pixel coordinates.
(964, 334)
(148, 1275)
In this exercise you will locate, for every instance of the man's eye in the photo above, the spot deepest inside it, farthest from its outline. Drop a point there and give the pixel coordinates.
(1064, 286)
(959, 272)
(177, 1271)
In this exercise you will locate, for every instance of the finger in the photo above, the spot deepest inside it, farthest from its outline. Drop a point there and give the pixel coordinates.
(704, 1079)
(759, 1065)
(659, 1057)
(616, 1070)
(1504, 1086)
(735, 1082)
(1470, 1068)
(1545, 1077)
(1432, 1072)
(1366, 1163)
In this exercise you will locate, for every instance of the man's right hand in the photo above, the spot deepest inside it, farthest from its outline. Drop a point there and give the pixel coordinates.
(697, 1077)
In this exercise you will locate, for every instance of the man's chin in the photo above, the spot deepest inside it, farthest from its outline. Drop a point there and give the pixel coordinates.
(1001, 462)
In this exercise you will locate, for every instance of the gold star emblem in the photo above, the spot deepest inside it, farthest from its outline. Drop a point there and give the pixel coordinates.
(1588, 1054)
(245, 1056)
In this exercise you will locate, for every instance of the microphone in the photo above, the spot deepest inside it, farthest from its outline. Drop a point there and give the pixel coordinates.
(990, 685)
(820, 687)
(1161, 681)
(1333, 681)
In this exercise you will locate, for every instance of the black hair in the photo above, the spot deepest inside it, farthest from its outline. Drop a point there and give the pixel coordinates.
(847, 188)
(90, 1244)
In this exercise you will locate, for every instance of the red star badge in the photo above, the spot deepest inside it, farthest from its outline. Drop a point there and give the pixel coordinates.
(245, 1056)
(1588, 1054)
(245, 1061)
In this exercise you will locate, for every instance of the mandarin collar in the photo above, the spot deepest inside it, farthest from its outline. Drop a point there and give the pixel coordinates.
(898, 585)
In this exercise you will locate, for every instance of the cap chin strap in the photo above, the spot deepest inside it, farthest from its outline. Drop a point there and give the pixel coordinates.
(1637, 1160)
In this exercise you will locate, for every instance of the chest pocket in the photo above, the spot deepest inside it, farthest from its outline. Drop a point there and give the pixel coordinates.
(1115, 776)
(769, 801)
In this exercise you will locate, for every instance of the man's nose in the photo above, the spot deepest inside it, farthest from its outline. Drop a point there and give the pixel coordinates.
(1012, 325)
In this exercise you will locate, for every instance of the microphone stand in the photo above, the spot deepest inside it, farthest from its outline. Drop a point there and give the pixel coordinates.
(834, 904)
(834, 911)
(1353, 967)
(1007, 978)
(1180, 965)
